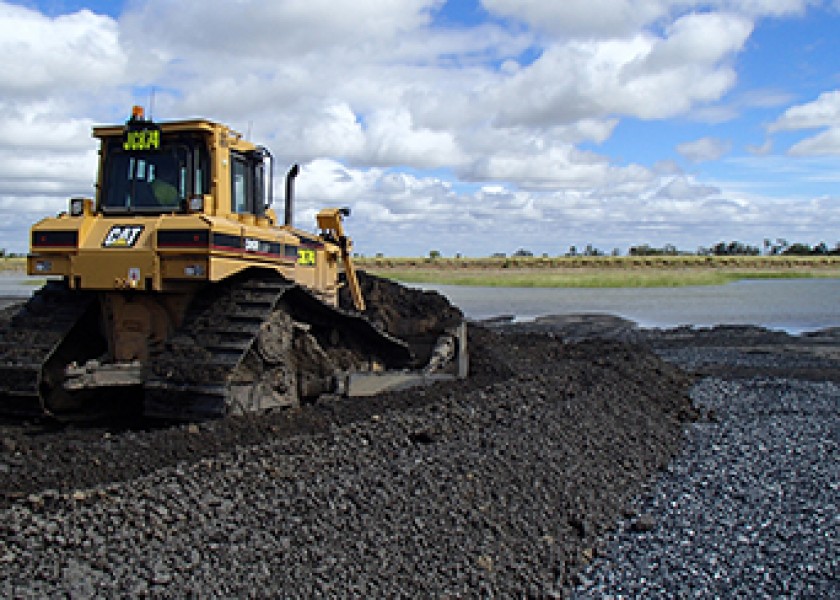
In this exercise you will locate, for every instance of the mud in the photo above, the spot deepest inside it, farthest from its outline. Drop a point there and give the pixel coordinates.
(415, 316)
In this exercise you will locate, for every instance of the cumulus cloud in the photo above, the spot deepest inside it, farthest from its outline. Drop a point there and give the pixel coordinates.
(584, 18)
(42, 55)
(684, 188)
(646, 76)
(822, 113)
(826, 143)
(704, 149)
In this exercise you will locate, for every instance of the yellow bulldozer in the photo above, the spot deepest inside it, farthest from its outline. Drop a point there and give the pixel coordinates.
(178, 289)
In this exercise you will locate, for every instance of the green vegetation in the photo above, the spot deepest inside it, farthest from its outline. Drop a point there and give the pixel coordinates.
(11, 264)
(600, 272)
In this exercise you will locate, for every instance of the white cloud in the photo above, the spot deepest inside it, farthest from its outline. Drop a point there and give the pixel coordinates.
(645, 76)
(283, 30)
(583, 18)
(393, 139)
(42, 55)
(822, 113)
(826, 143)
(684, 188)
(590, 19)
(704, 149)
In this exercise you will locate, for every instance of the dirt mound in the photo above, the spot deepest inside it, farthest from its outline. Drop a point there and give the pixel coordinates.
(416, 316)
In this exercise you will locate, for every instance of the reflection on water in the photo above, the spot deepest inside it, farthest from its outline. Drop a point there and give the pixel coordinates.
(794, 305)
(18, 285)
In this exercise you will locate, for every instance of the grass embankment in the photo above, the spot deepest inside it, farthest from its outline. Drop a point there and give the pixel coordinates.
(12, 264)
(600, 272)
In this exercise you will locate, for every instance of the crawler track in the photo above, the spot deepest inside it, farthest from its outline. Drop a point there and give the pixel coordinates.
(31, 340)
(254, 342)
(259, 342)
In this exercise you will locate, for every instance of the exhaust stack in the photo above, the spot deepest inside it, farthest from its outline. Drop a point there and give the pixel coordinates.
(290, 193)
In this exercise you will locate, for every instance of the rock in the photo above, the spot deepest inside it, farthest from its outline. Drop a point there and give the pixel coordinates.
(643, 523)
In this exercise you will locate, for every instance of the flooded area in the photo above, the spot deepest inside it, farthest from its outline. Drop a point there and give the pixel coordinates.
(792, 305)
(17, 285)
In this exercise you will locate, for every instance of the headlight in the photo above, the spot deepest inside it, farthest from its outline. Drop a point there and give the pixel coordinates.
(197, 203)
(77, 207)
(43, 266)
(194, 270)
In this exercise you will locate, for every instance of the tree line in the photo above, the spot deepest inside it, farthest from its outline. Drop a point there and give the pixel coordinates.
(779, 247)
(735, 248)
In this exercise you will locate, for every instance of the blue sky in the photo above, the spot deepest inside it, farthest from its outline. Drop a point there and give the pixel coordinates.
(468, 127)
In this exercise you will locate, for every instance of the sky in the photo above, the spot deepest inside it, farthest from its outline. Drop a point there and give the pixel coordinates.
(467, 127)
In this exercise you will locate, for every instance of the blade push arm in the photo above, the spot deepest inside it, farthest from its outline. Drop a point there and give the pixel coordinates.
(330, 221)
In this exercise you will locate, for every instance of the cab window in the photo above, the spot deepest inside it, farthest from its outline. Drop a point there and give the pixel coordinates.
(247, 183)
(154, 181)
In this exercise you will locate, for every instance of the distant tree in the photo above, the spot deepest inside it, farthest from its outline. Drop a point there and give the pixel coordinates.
(572, 251)
(779, 247)
(434, 254)
(498, 255)
(734, 248)
(616, 252)
(797, 249)
(522, 253)
(380, 255)
(800, 249)
(643, 250)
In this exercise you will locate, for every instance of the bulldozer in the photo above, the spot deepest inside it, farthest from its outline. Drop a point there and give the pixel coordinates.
(177, 291)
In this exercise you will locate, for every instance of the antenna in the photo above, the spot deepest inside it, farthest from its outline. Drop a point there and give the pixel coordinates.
(152, 103)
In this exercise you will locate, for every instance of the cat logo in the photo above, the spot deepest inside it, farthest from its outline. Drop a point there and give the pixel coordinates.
(122, 236)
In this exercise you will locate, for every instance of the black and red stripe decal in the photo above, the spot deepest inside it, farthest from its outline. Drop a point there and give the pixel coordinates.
(55, 239)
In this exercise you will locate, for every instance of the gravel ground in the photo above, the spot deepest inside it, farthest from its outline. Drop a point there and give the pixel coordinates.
(500, 486)
(751, 507)
(534, 478)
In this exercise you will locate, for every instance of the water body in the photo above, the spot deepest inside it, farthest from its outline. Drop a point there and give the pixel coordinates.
(793, 305)
(18, 285)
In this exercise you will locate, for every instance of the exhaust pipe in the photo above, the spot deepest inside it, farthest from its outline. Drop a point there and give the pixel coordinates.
(290, 193)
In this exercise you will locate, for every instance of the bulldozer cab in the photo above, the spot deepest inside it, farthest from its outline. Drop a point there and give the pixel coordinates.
(149, 169)
(146, 171)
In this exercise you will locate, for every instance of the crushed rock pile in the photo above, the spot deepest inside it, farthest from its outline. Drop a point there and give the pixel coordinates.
(499, 484)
